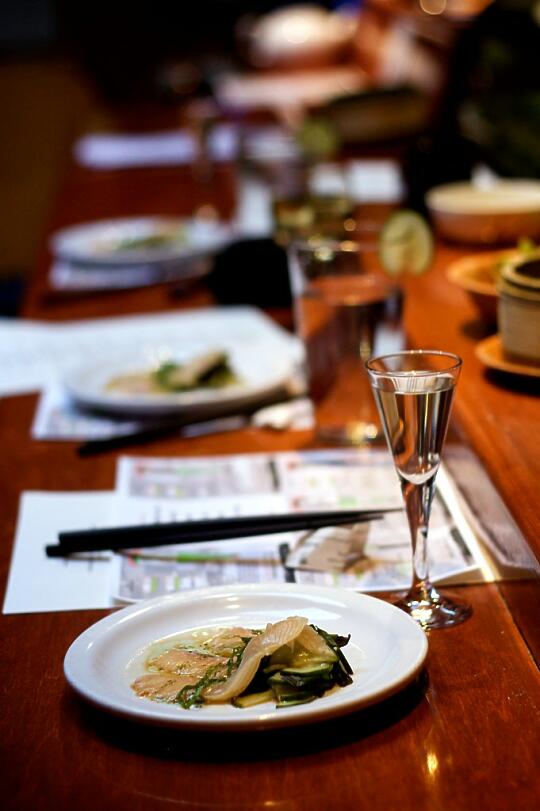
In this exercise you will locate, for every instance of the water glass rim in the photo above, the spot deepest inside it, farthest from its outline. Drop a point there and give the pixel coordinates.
(456, 363)
(345, 245)
(365, 238)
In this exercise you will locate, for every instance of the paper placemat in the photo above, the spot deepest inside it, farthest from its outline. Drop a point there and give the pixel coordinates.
(374, 557)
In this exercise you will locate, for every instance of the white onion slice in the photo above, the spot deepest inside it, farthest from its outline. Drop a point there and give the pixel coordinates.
(273, 637)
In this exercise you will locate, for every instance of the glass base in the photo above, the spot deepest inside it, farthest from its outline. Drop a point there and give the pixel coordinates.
(352, 433)
(431, 610)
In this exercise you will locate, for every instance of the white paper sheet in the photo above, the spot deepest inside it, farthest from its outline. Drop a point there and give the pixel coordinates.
(160, 489)
(57, 418)
(38, 583)
(363, 181)
(374, 181)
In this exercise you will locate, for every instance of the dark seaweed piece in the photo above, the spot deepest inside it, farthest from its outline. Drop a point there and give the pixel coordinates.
(342, 670)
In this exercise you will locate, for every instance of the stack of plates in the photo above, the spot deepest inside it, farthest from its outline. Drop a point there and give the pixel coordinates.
(134, 252)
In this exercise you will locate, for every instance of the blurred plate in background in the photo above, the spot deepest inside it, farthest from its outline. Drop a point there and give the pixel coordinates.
(140, 240)
(261, 373)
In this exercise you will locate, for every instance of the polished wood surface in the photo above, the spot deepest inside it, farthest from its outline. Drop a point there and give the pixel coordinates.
(464, 736)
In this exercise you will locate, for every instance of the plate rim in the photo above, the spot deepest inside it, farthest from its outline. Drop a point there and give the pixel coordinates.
(174, 403)
(149, 256)
(457, 271)
(247, 723)
(483, 348)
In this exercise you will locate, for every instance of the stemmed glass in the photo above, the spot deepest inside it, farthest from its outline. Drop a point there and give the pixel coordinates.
(414, 392)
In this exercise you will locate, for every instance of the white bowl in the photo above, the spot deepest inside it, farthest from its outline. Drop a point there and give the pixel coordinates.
(499, 214)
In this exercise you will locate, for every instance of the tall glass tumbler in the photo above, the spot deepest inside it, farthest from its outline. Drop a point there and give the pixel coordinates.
(414, 391)
(339, 304)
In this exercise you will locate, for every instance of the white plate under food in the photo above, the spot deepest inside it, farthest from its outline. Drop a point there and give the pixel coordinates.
(260, 374)
(139, 240)
(386, 651)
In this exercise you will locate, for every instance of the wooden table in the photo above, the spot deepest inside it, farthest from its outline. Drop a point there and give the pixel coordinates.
(464, 736)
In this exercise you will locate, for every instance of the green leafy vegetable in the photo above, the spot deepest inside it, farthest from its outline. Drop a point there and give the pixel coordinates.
(191, 695)
(298, 684)
(211, 370)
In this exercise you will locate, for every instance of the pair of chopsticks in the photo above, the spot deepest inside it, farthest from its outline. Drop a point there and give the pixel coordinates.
(185, 532)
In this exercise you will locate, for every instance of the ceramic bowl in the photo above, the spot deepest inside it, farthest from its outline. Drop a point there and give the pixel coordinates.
(519, 308)
(500, 214)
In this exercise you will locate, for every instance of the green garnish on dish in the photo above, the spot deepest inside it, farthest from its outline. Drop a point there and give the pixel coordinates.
(290, 662)
(159, 239)
(212, 370)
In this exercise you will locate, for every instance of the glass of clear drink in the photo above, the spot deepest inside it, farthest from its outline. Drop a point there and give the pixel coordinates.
(342, 301)
(414, 391)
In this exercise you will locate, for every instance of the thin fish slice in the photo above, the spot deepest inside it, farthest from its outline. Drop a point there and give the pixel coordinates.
(161, 686)
(180, 661)
(273, 637)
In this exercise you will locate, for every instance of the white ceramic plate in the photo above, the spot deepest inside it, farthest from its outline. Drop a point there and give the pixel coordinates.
(386, 650)
(260, 374)
(101, 242)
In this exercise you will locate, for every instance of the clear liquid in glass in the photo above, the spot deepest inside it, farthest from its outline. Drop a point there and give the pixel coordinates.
(415, 424)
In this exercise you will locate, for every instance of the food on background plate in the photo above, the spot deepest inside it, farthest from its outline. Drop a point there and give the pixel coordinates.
(164, 236)
(212, 370)
(290, 662)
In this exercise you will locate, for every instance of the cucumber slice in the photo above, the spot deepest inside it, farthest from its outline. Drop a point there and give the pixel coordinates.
(291, 699)
(277, 679)
(315, 670)
(252, 699)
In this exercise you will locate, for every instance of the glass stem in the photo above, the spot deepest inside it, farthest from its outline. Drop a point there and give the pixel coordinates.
(418, 498)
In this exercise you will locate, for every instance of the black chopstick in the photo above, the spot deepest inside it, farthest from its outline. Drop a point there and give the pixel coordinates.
(184, 532)
(187, 427)
(162, 430)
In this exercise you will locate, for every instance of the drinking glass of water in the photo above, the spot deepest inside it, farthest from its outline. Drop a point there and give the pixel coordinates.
(342, 303)
(414, 391)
